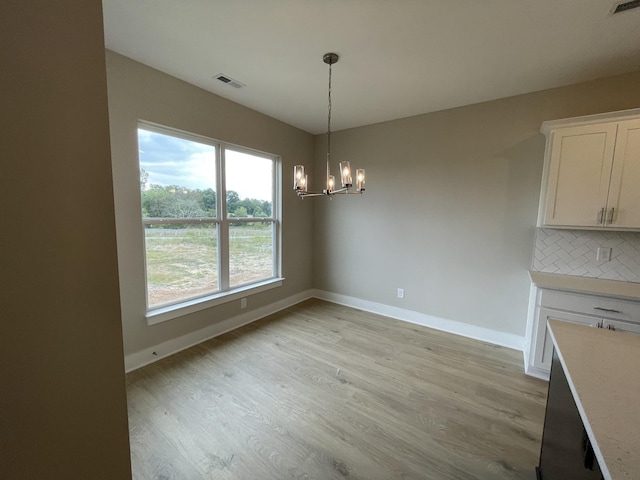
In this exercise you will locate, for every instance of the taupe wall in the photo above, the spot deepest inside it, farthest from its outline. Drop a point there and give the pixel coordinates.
(63, 412)
(139, 92)
(451, 205)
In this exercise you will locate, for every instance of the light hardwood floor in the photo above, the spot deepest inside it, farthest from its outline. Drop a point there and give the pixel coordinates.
(322, 391)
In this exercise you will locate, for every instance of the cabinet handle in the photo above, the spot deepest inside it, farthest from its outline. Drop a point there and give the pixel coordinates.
(610, 219)
(607, 310)
(601, 216)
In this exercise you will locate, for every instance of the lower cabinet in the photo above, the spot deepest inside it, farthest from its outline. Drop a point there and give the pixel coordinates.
(621, 326)
(543, 349)
(566, 451)
(593, 310)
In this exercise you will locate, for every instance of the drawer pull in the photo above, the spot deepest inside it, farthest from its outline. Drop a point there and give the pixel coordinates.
(607, 310)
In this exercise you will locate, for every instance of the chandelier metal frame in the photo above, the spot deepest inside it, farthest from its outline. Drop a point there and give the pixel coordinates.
(301, 180)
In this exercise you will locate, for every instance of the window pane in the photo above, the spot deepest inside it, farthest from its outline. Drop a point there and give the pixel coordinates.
(177, 176)
(182, 261)
(249, 182)
(250, 252)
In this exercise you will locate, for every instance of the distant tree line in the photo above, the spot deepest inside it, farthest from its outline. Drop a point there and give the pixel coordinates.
(175, 201)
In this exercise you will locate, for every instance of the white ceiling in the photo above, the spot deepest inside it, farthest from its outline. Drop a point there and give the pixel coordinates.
(398, 58)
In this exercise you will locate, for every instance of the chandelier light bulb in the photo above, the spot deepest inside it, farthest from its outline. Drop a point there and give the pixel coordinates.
(345, 174)
(298, 177)
(360, 180)
(331, 182)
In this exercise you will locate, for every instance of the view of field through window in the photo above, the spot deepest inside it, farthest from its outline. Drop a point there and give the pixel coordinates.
(183, 224)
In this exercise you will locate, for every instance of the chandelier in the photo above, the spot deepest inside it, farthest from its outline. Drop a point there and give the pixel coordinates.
(301, 180)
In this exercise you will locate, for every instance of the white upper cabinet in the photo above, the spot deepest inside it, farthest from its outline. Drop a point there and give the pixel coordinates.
(579, 175)
(624, 193)
(591, 175)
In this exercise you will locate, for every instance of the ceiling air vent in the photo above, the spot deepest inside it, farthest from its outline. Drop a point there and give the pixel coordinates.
(625, 6)
(229, 81)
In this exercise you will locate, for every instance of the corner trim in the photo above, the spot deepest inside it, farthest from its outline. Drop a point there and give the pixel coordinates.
(536, 372)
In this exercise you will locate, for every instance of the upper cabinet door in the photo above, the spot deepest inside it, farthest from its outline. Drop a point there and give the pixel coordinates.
(580, 168)
(623, 208)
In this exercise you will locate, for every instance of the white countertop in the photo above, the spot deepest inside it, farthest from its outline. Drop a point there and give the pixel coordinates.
(603, 371)
(595, 286)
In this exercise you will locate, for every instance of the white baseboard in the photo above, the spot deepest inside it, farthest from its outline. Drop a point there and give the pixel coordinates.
(451, 326)
(144, 357)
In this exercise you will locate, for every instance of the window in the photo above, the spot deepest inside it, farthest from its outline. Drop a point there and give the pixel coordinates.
(210, 219)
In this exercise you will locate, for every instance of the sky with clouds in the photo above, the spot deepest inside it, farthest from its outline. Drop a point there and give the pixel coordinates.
(174, 161)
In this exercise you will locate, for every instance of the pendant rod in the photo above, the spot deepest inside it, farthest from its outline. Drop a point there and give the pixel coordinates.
(329, 125)
(329, 59)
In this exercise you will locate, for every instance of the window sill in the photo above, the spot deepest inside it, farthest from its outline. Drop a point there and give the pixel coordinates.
(184, 308)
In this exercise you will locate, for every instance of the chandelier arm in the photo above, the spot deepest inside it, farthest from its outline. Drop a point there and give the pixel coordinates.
(312, 194)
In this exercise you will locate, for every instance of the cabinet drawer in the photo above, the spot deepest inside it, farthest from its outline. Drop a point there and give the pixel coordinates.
(604, 307)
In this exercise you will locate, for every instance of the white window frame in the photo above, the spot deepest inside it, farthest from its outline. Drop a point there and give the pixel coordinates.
(222, 220)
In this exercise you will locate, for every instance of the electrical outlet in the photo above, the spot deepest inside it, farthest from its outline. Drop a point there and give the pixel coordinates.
(603, 254)
(401, 293)
(243, 303)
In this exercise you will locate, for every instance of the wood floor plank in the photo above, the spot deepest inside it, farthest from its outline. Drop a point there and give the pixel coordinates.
(323, 391)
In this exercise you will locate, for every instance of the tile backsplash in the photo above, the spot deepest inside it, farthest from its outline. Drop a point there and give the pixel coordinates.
(573, 252)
